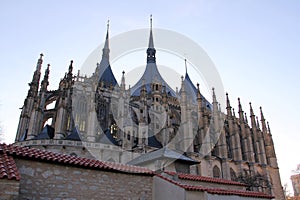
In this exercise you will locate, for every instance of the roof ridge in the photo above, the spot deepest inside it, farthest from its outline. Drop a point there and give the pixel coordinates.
(43, 155)
(218, 190)
(195, 177)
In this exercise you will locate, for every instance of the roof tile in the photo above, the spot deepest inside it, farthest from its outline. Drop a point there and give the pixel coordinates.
(10, 151)
(205, 179)
(8, 167)
(219, 190)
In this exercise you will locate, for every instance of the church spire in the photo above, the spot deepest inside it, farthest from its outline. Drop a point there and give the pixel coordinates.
(252, 117)
(151, 50)
(215, 103)
(34, 84)
(241, 112)
(45, 81)
(106, 44)
(123, 81)
(151, 43)
(228, 107)
(263, 121)
(70, 71)
(185, 66)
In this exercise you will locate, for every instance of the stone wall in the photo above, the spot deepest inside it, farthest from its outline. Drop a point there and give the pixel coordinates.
(40, 180)
(9, 189)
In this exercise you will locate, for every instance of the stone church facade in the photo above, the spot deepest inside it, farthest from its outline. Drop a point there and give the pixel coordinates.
(148, 125)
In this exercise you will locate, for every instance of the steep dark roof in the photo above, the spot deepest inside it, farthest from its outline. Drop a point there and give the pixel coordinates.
(151, 74)
(163, 153)
(153, 142)
(75, 135)
(108, 77)
(47, 133)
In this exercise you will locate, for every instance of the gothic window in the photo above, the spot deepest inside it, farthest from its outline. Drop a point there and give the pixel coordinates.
(82, 126)
(128, 136)
(216, 172)
(232, 175)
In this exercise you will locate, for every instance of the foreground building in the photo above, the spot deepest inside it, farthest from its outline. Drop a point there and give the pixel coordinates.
(28, 173)
(149, 125)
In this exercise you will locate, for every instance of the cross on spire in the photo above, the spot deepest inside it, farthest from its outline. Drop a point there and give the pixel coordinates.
(151, 21)
(107, 25)
(185, 66)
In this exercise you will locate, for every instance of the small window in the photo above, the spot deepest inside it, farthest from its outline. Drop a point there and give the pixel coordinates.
(216, 172)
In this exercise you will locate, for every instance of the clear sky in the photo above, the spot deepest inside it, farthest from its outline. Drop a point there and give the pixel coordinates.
(255, 46)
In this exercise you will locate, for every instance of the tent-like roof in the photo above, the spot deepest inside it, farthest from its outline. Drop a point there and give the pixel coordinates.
(163, 153)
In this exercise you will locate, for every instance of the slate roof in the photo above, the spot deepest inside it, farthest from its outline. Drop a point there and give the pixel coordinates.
(161, 154)
(74, 135)
(107, 75)
(151, 74)
(192, 91)
(218, 191)
(46, 133)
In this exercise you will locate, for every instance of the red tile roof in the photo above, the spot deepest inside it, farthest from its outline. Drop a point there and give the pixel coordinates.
(219, 191)
(205, 179)
(10, 151)
(8, 168)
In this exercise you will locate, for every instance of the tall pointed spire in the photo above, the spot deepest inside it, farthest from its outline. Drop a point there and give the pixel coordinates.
(263, 121)
(241, 112)
(185, 66)
(106, 44)
(37, 73)
(257, 123)
(70, 71)
(251, 110)
(34, 84)
(45, 81)
(233, 112)
(228, 107)
(151, 43)
(104, 73)
(123, 81)
(199, 93)
(151, 50)
(246, 119)
(252, 117)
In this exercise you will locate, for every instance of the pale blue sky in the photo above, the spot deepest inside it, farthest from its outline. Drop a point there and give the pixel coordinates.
(254, 44)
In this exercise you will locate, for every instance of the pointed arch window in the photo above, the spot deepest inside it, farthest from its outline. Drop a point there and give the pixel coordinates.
(232, 175)
(216, 172)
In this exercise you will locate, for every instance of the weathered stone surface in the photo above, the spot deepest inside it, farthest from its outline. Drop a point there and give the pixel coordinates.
(58, 182)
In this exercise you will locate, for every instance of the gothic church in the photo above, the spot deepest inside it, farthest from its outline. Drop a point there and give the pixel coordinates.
(148, 124)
